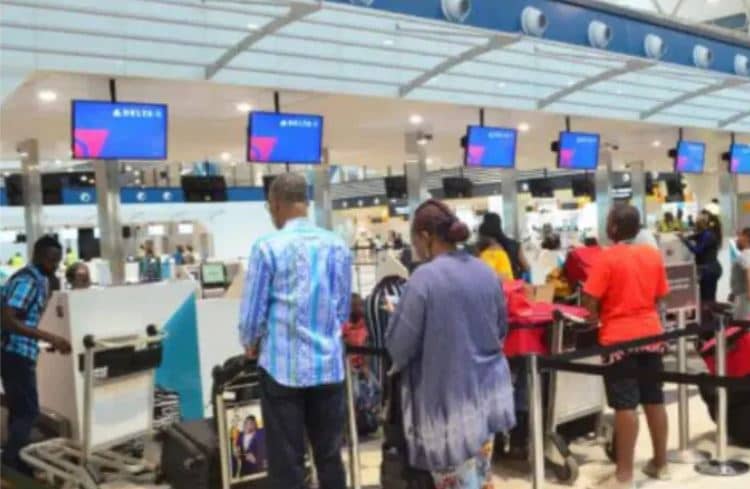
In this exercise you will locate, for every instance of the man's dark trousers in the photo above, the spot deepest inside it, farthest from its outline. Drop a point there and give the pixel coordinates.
(19, 385)
(289, 414)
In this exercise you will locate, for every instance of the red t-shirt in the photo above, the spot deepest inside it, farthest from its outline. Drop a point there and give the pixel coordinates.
(356, 334)
(628, 280)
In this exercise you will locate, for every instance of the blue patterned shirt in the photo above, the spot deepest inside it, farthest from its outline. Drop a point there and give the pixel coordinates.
(27, 290)
(296, 299)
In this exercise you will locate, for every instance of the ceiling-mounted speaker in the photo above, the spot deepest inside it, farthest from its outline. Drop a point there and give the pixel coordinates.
(456, 10)
(654, 46)
(702, 56)
(742, 65)
(533, 22)
(600, 34)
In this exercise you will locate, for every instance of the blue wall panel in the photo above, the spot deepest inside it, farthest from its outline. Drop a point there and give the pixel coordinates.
(568, 23)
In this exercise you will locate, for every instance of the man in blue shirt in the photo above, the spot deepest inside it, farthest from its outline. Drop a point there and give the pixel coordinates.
(24, 298)
(296, 299)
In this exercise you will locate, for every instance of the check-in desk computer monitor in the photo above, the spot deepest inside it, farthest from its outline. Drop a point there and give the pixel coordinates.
(213, 279)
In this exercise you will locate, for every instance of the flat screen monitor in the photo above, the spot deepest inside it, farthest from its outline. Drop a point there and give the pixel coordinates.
(578, 151)
(118, 130)
(284, 138)
(457, 188)
(689, 157)
(395, 187)
(213, 275)
(739, 159)
(490, 147)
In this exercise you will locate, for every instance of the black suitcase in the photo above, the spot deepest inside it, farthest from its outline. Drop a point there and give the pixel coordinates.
(190, 455)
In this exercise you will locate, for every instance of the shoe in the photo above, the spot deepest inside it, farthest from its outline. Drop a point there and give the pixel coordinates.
(611, 482)
(660, 473)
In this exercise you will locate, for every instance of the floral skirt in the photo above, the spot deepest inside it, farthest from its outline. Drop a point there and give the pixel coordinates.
(475, 473)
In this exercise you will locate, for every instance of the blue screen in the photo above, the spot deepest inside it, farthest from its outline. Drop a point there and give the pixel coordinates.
(739, 159)
(690, 157)
(490, 147)
(578, 151)
(118, 130)
(284, 138)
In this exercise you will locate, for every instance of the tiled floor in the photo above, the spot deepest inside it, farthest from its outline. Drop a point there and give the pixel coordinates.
(594, 464)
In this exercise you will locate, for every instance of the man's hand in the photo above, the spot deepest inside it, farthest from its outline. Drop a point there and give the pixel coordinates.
(251, 352)
(60, 344)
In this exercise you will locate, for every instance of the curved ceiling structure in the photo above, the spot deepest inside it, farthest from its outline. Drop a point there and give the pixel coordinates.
(335, 47)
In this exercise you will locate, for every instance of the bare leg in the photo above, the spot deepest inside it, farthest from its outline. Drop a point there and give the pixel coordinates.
(656, 416)
(626, 434)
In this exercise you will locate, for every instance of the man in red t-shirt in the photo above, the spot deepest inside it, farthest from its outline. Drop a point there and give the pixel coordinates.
(623, 290)
(355, 330)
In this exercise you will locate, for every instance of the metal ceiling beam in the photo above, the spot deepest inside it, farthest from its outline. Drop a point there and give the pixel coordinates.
(715, 87)
(496, 42)
(629, 67)
(296, 12)
(735, 118)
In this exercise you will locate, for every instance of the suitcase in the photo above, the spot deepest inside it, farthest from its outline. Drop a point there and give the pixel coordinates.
(190, 455)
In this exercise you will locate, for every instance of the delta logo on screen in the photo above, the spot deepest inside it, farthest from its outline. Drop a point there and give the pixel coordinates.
(284, 138)
(578, 151)
(476, 155)
(490, 147)
(566, 157)
(118, 130)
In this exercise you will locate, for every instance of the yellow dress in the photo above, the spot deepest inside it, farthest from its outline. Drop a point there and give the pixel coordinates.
(497, 259)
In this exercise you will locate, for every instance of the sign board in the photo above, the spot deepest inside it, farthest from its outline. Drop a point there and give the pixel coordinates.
(683, 287)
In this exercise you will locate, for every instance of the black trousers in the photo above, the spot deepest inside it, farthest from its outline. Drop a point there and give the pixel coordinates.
(289, 414)
(19, 385)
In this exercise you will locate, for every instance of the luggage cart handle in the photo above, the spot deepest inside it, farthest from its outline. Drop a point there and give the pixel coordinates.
(570, 317)
(152, 336)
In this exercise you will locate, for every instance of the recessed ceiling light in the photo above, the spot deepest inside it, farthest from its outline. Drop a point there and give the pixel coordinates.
(225, 156)
(137, 181)
(251, 26)
(83, 178)
(128, 168)
(416, 119)
(47, 95)
(428, 161)
(58, 162)
(656, 143)
(524, 126)
(389, 42)
(244, 107)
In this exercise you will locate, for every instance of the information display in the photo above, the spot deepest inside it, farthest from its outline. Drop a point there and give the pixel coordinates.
(118, 130)
(739, 159)
(690, 157)
(213, 274)
(284, 138)
(490, 147)
(578, 151)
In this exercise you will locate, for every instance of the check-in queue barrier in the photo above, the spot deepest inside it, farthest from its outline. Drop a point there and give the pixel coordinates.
(720, 466)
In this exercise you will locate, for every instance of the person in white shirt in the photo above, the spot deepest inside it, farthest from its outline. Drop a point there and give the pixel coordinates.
(739, 281)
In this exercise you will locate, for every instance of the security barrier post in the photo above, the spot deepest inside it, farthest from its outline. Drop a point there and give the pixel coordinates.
(684, 455)
(354, 467)
(536, 438)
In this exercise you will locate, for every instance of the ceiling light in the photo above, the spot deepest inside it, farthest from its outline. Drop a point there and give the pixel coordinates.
(428, 161)
(225, 156)
(6, 174)
(524, 126)
(713, 2)
(244, 107)
(70, 170)
(137, 181)
(252, 26)
(58, 162)
(389, 42)
(128, 168)
(656, 143)
(83, 178)
(416, 119)
(47, 96)
(422, 141)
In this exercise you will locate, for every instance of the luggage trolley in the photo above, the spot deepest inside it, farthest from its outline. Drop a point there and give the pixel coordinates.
(119, 368)
(571, 397)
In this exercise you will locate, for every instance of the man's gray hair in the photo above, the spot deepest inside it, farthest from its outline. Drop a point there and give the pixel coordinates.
(290, 188)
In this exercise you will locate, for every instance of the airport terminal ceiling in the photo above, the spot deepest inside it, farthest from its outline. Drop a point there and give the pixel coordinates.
(208, 121)
(385, 65)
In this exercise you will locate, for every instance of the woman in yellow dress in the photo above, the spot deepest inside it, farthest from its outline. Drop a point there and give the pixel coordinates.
(493, 254)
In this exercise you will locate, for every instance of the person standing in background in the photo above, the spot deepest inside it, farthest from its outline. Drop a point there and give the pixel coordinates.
(622, 291)
(70, 256)
(705, 245)
(296, 299)
(179, 255)
(150, 264)
(24, 298)
(493, 226)
(16, 261)
(189, 257)
(445, 340)
(739, 282)
(77, 276)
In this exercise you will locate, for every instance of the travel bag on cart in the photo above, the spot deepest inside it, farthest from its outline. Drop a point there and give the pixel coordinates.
(190, 455)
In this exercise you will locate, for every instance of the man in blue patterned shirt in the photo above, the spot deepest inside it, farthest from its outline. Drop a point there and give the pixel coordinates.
(295, 301)
(24, 298)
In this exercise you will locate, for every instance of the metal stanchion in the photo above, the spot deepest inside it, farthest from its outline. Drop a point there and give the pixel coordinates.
(684, 454)
(536, 430)
(721, 465)
(354, 467)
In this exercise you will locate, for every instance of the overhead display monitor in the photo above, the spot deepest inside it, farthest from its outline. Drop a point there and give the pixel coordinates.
(490, 147)
(690, 157)
(284, 138)
(739, 159)
(578, 151)
(118, 130)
